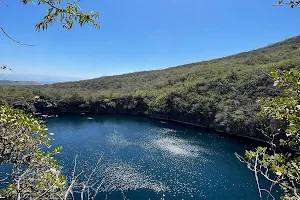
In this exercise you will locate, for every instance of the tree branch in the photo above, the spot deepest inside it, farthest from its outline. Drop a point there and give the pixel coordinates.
(97, 190)
(4, 2)
(291, 3)
(74, 170)
(53, 6)
(256, 177)
(74, 180)
(16, 41)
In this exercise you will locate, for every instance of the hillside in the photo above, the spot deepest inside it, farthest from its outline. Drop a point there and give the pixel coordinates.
(220, 94)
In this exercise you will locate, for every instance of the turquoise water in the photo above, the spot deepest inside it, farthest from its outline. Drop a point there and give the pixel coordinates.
(151, 159)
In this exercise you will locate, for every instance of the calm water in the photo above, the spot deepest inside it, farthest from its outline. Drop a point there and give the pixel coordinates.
(148, 159)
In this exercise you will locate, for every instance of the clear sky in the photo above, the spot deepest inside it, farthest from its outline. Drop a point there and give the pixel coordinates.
(137, 35)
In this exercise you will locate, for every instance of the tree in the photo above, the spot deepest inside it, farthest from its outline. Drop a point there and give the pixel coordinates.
(279, 163)
(36, 174)
(66, 16)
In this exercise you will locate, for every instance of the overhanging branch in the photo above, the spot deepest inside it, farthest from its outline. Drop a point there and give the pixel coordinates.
(4, 2)
(16, 41)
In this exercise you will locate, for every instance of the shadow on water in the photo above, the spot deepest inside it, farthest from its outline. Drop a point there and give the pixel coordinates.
(151, 159)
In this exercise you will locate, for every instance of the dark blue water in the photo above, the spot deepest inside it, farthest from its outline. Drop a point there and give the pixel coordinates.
(149, 159)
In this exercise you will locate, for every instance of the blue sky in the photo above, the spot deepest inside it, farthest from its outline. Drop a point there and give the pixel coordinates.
(137, 35)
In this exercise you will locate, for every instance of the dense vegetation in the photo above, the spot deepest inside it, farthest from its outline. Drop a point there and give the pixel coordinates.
(221, 94)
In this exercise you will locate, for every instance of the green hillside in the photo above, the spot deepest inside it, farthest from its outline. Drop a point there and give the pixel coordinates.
(220, 94)
(263, 58)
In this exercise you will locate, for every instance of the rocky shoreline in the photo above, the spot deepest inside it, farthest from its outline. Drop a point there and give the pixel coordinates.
(46, 108)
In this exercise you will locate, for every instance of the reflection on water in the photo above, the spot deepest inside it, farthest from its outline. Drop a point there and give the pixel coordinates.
(150, 160)
(120, 176)
(177, 147)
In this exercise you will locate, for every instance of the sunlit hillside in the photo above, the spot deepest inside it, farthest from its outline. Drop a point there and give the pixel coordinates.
(220, 94)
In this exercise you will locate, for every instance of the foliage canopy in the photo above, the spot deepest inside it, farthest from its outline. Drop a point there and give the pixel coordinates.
(280, 162)
(35, 174)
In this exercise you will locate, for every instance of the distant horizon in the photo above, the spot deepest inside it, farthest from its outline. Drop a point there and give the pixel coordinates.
(141, 35)
(40, 78)
(62, 78)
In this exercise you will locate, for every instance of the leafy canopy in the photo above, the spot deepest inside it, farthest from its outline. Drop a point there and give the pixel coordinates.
(65, 15)
(34, 174)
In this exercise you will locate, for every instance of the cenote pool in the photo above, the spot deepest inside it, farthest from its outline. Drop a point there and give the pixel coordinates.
(150, 159)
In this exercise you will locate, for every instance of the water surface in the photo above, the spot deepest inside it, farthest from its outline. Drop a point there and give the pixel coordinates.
(151, 159)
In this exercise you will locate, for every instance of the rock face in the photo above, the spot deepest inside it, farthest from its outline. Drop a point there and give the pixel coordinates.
(140, 107)
(44, 106)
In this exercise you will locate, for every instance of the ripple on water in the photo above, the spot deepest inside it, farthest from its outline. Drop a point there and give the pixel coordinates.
(121, 176)
(157, 158)
(176, 147)
(175, 153)
(179, 147)
(118, 140)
